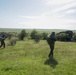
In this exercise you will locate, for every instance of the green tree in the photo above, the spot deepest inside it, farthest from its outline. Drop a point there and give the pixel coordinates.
(62, 37)
(33, 34)
(44, 36)
(74, 37)
(22, 35)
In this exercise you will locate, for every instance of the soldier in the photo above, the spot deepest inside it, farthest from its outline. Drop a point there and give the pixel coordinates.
(2, 38)
(51, 41)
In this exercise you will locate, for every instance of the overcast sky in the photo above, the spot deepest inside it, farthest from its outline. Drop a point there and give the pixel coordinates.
(41, 14)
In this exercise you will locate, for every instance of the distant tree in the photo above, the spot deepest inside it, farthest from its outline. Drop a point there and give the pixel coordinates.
(44, 36)
(74, 37)
(33, 34)
(22, 35)
(65, 36)
(37, 38)
(62, 37)
(69, 35)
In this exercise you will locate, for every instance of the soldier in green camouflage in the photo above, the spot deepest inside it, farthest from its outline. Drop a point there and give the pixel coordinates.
(2, 38)
(51, 41)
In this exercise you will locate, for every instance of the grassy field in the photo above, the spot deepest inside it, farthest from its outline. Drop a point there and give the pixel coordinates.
(29, 58)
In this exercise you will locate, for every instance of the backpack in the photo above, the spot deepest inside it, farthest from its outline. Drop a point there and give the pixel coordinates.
(48, 40)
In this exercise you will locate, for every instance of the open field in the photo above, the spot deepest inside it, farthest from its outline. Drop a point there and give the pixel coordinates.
(29, 30)
(29, 58)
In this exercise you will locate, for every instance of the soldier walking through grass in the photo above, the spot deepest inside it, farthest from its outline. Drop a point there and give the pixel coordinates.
(51, 41)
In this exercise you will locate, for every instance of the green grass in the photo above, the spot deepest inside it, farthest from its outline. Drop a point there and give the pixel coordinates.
(29, 58)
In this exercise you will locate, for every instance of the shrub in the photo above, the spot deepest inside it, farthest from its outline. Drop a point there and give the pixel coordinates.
(44, 36)
(22, 35)
(33, 34)
(12, 42)
(74, 38)
(37, 38)
(65, 36)
(62, 37)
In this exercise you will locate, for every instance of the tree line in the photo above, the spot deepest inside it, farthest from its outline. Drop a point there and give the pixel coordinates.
(67, 36)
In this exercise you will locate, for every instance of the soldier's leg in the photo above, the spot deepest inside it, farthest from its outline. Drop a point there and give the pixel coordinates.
(51, 52)
(52, 49)
(3, 44)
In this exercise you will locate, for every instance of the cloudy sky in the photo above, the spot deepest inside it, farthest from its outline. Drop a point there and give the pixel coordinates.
(41, 14)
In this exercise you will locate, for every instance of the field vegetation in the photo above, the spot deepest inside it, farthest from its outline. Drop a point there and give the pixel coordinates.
(29, 56)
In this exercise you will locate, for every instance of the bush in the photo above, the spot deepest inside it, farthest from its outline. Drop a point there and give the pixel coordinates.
(22, 35)
(9, 36)
(12, 42)
(65, 36)
(62, 37)
(33, 34)
(44, 36)
(74, 38)
(37, 38)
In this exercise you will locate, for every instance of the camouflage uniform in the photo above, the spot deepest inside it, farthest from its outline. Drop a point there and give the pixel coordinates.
(52, 40)
(2, 41)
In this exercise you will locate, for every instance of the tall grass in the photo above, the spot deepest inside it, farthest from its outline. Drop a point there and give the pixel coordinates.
(29, 58)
